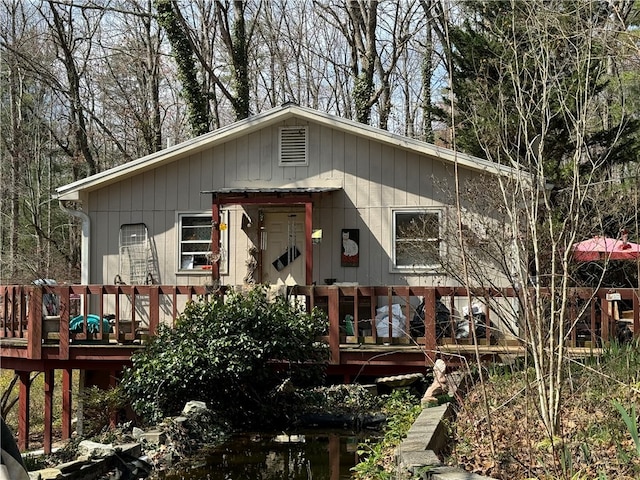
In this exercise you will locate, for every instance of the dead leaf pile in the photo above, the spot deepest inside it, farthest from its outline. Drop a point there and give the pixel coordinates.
(593, 440)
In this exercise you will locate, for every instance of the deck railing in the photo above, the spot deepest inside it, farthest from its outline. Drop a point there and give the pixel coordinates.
(42, 314)
(357, 315)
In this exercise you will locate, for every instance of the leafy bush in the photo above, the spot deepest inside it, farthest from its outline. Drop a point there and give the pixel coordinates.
(98, 406)
(230, 354)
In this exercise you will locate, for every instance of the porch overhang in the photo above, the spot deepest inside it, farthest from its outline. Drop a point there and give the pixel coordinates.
(266, 196)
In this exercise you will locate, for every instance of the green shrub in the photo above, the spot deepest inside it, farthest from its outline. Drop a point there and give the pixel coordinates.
(98, 406)
(401, 409)
(34, 462)
(229, 354)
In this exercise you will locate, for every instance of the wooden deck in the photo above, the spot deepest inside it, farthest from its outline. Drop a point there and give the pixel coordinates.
(35, 332)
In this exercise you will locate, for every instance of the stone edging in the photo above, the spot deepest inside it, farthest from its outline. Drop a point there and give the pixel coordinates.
(427, 437)
(85, 468)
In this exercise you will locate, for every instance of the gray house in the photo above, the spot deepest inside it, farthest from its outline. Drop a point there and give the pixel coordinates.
(294, 196)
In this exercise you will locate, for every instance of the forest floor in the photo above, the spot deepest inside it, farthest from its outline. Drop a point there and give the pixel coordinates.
(593, 439)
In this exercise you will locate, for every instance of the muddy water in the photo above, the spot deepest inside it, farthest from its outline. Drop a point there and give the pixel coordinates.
(326, 455)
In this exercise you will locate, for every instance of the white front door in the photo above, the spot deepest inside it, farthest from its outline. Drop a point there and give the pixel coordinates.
(283, 258)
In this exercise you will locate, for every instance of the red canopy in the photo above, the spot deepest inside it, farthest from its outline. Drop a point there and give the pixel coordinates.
(604, 248)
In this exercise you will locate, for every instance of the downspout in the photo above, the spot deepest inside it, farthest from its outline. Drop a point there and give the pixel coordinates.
(84, 247)
(84, 280)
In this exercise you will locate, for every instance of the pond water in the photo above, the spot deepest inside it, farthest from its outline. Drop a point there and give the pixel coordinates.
(308, 455)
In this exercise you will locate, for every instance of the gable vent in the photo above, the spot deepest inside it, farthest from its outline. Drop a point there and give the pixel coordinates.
(293, 146)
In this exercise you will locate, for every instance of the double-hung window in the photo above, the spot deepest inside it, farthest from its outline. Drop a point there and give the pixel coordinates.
(194, 242)
(416, 239)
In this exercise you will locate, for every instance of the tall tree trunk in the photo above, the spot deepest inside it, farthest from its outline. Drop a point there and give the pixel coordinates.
(77, 114)
(152, 87)
(364, 19)
(14, 151)
(240, 62)
(427, 71)
(236, 39)
(197, 105)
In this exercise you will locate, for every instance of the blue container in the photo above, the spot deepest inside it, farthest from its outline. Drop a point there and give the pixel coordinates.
(93, 324)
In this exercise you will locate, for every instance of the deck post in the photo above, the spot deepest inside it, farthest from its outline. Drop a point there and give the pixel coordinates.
(134, 291)
(65, 317)
(594, 313)
(23, 410)
(82, 379)
(605, 320)
(34, 322)
(487, 327)
(334, 325)
(308, 244)
(154, 309)
(48, 410)
(215, 239)
(334, 454)
(113, 416)
(389, 314)
(430, 324)
(573, 322)
(67, 376)
(19, 311)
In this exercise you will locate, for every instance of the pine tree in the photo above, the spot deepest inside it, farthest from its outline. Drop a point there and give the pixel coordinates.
(496, 56)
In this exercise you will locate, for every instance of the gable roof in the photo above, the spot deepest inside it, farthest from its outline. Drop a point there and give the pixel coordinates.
(73, 190)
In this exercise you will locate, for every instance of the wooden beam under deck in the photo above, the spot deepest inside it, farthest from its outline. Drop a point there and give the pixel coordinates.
(67, 376)
(48, 410)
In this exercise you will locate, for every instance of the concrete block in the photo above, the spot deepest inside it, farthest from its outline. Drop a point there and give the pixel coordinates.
(193, 406)
(371, 388)
(427, 436)
(411, 460)
(133, 449)
(154, 437)
(95, 450)
(414, 444)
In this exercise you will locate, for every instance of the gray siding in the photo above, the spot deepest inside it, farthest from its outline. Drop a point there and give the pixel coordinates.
(374, 177)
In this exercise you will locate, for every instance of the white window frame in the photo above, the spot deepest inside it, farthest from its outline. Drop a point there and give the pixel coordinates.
(180, 241)
(394, 238)
(294, 163)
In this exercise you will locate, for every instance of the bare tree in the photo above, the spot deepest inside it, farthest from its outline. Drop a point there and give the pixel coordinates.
(229, 24)
(130, 81)
(33, 243)
(436, 16)
(549, 72)
(517, 230)
(13, 141)
(73, 59)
